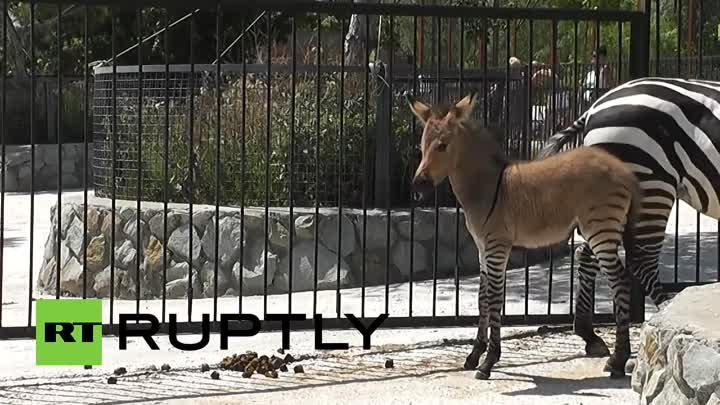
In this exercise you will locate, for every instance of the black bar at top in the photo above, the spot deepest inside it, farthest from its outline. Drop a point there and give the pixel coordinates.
(398, 10)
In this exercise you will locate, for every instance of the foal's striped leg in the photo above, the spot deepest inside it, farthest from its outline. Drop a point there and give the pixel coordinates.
(480, 343)
(495, 260)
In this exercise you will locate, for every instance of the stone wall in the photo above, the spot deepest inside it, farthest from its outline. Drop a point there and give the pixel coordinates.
(18, 159)
(679, 356)
(241, 250)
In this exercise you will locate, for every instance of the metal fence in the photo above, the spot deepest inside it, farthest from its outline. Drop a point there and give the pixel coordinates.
(307, 158)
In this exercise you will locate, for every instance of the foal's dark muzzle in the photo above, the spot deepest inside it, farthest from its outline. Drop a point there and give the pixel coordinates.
(422, 187)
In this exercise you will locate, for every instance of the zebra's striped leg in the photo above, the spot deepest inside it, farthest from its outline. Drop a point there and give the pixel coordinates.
(584, 304)
(480, 343)
(619, 279)
(496, 261)
(645, 268)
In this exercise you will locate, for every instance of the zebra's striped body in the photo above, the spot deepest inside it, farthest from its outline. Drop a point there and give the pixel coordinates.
(668, 131)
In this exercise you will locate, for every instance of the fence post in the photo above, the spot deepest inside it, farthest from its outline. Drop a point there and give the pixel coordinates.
(639, 67)
(382, 140)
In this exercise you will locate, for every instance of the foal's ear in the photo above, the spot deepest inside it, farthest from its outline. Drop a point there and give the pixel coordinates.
(420, 109)
(464, 108)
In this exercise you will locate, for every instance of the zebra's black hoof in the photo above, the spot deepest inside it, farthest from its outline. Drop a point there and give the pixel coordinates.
(482, 375)
(597, 348)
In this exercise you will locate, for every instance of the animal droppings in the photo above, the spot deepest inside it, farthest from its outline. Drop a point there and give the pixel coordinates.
(165, 367)
(389, 363)
(215, 375)
(120, 371)
(112, 380)
(298, 369)
(204, 367)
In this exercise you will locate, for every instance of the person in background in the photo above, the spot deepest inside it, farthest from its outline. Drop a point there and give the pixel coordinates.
(607, 78)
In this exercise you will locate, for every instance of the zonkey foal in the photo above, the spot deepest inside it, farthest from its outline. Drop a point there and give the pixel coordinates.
(528, 204)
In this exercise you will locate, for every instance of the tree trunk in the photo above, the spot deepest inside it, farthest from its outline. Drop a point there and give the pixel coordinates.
(357, 35)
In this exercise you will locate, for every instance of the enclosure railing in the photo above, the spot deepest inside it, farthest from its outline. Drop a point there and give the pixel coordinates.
(263, 172)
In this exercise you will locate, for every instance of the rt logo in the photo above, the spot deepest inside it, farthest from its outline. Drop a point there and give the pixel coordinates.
(68, 333)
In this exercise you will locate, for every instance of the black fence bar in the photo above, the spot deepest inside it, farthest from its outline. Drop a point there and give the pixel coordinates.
(218, 136)
(166, 160)
(3, 70)
(32, 152)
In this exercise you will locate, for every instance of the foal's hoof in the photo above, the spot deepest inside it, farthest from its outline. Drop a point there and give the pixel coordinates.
(630, 366)
(597, 348)
(615, 369)
(482, 375)
(471, 361)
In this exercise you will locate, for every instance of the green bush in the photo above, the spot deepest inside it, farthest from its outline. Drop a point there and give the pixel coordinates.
(345, 158)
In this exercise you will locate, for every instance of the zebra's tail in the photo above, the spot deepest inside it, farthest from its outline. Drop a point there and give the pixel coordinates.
(557, 141)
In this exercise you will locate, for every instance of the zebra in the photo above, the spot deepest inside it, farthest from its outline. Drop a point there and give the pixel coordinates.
(667, 130)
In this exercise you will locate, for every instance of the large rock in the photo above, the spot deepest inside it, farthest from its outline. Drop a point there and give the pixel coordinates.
(179, 243)
(305, 227)
(97, 254)
(329, 234)
(94, 220)
(376, 232)
(420, 258)
(303, 267)
(224, 277)
(101, 283)
(74, 237)
(174, 220)
(679, 355)
(201, 217)
(107, 227)
(130, 229)
(71, 278)
(253, 271)
(125, 256)
(231, 241)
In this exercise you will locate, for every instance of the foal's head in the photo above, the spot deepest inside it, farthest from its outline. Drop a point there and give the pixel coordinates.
(449, 132)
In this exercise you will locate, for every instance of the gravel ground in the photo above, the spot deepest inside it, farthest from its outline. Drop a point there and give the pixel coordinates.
(538, 368)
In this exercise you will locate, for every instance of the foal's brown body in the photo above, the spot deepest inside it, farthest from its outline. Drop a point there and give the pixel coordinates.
(530, 204)
(540, 202)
